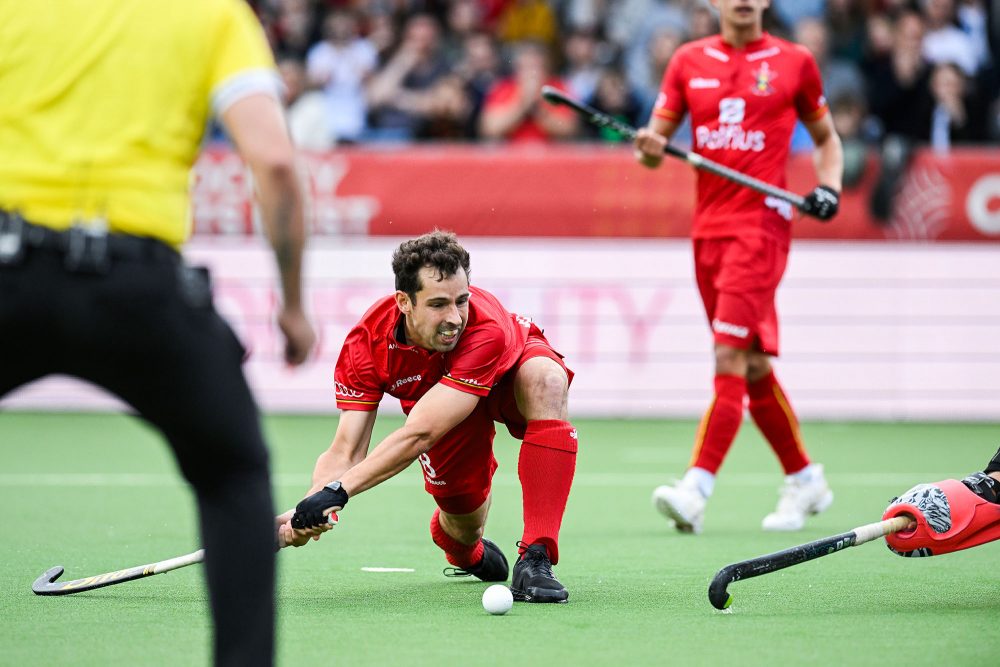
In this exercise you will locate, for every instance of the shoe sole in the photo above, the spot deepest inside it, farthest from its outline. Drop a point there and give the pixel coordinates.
(541, 595)
(669, 511)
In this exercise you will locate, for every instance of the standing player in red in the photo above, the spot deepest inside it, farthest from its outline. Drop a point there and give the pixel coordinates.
(457, 361)
(744, 90)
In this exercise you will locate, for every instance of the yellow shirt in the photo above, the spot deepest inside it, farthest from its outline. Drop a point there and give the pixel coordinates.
(103, 104)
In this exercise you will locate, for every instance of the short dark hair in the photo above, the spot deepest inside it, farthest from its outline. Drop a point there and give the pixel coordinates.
(438, 250)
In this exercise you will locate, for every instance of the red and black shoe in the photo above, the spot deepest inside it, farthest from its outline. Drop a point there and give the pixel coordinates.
(492, 567)
(533, 578)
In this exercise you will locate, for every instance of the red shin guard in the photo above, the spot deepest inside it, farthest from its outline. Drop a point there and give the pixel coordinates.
(949, 518)
(720, 424)
(773, 414)
(545, 467)
(458, 554)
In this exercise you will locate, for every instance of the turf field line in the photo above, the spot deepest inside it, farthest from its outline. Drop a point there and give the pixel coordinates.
(584, 479)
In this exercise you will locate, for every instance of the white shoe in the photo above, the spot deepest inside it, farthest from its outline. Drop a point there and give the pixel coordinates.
(683, 504)
(798, 500)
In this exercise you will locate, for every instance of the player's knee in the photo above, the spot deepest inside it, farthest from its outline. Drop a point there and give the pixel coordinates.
(730, 360)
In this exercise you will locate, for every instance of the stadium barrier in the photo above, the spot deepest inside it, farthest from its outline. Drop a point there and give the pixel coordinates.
(871, 330)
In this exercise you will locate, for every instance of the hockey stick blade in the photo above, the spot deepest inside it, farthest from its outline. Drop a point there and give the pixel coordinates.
(721, 598)
(601, 119)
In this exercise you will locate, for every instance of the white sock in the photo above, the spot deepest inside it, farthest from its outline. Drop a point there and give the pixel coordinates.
(700, 479)
(809, 474)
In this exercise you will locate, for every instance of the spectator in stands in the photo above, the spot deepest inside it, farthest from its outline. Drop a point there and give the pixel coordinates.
(899, 84)
(944, 41)
(479, 68)
(292, 27)
(703, 23)
(792, 12)
(582, 69)
(464, 19)
(401, 95)
(631, 25)
(305, 110)
(845, 23)
(529, 20)
(955, 114)
(614, 96)
(514, 110)
(341, 65)
(840, 77)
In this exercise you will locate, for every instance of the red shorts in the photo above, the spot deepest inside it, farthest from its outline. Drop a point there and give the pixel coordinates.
(737, 278)
(458, 470)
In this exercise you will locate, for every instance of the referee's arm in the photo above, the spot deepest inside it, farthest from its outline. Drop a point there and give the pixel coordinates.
(257, 126)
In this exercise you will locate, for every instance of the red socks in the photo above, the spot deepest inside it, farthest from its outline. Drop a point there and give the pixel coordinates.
(773, 415)
(720, 424)
(545, 467)
(458, 554)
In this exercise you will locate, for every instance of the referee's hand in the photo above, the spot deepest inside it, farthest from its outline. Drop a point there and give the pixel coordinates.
(299, 335)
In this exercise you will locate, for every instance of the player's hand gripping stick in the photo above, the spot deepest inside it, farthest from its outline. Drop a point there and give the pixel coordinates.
(318, 508)
(755, 567)
(601, 119)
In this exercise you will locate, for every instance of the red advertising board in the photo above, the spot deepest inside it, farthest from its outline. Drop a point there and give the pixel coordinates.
(580, 191)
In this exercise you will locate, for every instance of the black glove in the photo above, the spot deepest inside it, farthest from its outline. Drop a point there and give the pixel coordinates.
(309, 513)
(822, 203)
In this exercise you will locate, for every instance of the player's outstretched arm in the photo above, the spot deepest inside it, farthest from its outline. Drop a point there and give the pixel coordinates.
(257, 126)
(437, 412)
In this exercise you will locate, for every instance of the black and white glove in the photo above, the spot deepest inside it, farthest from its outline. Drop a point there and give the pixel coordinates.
(822, 203)
(316, 509)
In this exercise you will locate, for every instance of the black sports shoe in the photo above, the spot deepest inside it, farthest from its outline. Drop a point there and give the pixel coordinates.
(493, 566)
(533, 578)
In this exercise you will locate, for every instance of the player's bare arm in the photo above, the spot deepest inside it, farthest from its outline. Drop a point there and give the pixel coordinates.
(828, 160)
(257, 125)
(652, 139)
(438, 411)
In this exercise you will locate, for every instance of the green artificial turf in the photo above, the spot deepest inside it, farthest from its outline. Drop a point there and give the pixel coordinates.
(100, 492)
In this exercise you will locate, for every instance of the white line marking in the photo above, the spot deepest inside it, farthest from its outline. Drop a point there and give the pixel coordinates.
(387, 569)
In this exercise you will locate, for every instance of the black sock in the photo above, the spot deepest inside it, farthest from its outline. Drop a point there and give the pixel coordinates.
(983, 486)
(994, 464)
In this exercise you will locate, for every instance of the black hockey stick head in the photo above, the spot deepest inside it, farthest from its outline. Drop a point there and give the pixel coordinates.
(717, 593)
(45, 584)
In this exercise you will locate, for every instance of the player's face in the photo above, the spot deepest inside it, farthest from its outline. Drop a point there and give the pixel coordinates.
(741, 13)
(436, 317)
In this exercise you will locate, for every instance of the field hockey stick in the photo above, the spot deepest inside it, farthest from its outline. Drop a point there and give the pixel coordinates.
(755, 567)
(47, 584)
(601, 119)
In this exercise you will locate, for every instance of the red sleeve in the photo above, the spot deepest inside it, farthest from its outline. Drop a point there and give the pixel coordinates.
(810, 103)
(473, 366)
(670, 104)
(355, 379)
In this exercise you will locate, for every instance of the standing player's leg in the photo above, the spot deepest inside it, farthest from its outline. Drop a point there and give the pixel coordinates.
(805, 491)
(730, 313)
(546, 465)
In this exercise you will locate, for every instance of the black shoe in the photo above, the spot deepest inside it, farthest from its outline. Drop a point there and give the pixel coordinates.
(493, 566)
(533, 578)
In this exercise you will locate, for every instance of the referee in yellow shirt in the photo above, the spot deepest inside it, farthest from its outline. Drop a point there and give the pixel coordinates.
(103, 105)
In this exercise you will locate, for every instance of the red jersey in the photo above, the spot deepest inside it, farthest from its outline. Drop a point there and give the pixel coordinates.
(506, 92)
(376, 360)
(743, 104)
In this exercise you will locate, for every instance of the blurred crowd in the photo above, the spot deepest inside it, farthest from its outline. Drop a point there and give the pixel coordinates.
(917, 72)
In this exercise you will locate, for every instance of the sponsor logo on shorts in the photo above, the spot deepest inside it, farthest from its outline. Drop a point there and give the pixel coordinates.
(572, 434)
(730, 329)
